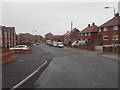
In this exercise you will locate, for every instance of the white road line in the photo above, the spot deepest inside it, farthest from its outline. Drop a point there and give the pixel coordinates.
(24, 80)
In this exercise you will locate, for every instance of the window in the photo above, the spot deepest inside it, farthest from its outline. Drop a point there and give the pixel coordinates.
(115, 37)
(0, 33)
(86, 40)
(0, 43)
(85, 34)
(99, 29)
(105, 29)
(89, 34)
(81, 34)
(105, 37)
(115, 28)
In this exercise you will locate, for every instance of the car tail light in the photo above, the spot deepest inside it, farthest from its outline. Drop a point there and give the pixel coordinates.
(26, 47)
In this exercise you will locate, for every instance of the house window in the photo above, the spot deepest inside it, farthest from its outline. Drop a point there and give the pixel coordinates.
(99, 29)
(89, 34)
(0, 43)
(105, 29)
(81, 34)
(105, 37)
(85, 34)
(115, 37)
(115, 28)
(0, 33)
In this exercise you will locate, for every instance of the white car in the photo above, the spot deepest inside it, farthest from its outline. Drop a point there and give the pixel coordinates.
(77, 43)
(24, 47)
(60, 45)
(54, 44)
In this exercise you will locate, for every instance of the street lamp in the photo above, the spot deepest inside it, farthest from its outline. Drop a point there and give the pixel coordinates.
(111, 8)
(114, 21)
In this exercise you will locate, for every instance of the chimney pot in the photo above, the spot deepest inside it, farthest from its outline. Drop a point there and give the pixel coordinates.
(117, 14)
(88, 25)
(93, 24)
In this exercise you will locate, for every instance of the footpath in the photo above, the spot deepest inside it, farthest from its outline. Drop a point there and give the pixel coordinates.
(103, 54)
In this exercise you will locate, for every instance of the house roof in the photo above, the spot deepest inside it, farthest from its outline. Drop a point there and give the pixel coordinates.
(88, 29)
(114, 21)
(11, 29)
(70, 32)
(56, 36)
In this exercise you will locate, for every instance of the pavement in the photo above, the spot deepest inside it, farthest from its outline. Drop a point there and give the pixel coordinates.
(72, 68)
(104, 54)
(24, 67)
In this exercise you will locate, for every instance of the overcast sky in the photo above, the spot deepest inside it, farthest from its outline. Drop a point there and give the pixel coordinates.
(54, 17)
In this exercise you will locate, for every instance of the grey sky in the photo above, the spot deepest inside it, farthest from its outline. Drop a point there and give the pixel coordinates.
(54, 17)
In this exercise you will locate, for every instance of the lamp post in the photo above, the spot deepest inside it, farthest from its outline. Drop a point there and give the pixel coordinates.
(111, 8)
(114, 23)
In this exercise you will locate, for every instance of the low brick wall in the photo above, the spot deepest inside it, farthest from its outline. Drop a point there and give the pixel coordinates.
(87, 47)
(22, 51)
(111, 49)
(7, 56)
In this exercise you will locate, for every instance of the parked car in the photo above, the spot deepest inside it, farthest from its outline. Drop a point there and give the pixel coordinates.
(24, 47)
(54, 44)
(80, 42)
(60, 44)
(50, 43)
(47, 42)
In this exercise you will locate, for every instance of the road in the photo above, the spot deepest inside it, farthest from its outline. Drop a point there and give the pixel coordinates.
(25, 64)
(78, 69)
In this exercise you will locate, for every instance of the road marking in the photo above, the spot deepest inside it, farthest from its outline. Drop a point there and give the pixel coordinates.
(24, 80)
(20, 60)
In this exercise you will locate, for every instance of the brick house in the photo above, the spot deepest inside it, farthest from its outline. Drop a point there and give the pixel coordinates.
(55, 38)
(89, 34)
(71, 35)
(109, 32)
(11, 36)
(50, 36)
(8, 37)
(29, 38)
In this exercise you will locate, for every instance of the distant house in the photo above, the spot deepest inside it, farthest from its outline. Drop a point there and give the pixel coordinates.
(29, 38)
(109, 32)
(89, 34)
(71, 35)
(8, 37)
(50, 36)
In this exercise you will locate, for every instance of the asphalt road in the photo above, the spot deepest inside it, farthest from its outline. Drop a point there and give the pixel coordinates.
(25, 64)
(78, 69)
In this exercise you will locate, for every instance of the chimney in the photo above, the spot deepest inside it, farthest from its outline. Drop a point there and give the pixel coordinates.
(88, 25)
(117, 14)
(93, 24)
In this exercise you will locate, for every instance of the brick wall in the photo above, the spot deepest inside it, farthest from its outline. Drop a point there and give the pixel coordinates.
(7, 56)
(110, 32)
(74, 36)
(111, 49)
